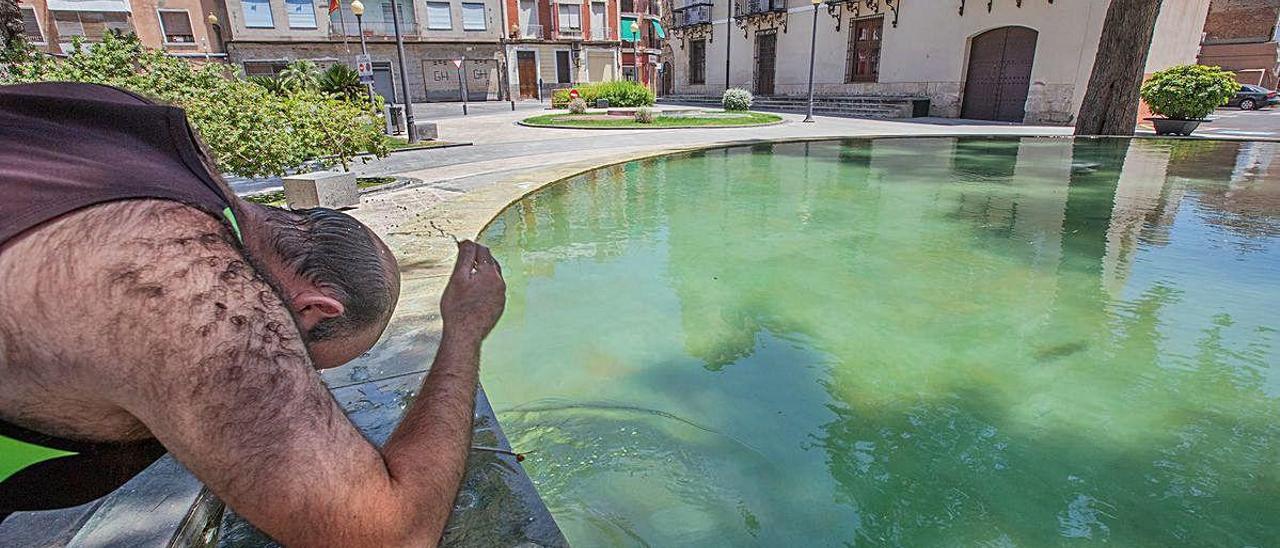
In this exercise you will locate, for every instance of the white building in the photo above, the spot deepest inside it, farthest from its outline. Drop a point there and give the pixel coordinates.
(1014, 60)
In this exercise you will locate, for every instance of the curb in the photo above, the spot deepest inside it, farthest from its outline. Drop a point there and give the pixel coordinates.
(766, 124)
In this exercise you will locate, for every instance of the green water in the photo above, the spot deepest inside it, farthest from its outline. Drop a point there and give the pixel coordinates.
(901, 342)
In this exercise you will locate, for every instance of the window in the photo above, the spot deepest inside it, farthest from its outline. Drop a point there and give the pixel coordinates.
(91, 25)
(302, 14)
(563, 70)
(176, 26)
(863, 63)
(473, 16)
(406, 16)
(31, 25)
(263, 68)
(257, 14)
(570, 16)
(438, 16)
(629, 73)
(628, 6)
(698, 62)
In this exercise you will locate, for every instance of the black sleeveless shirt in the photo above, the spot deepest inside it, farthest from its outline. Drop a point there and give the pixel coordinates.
(64, 147)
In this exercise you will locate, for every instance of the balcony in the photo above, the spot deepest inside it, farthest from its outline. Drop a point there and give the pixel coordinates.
(530, 31)
(374, 29)
(751, 7)
(601, 32)
(569, 34)
(688, 16)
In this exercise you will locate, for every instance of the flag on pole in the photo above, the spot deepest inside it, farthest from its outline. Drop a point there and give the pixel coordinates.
(333, 6)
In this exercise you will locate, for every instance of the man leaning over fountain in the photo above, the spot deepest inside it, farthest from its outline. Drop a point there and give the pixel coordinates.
(144, 308)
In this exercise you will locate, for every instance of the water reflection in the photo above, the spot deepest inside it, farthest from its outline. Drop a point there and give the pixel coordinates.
(901, 342)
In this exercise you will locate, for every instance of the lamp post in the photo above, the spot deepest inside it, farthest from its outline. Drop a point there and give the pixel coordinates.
(217, 29)
(357, 9)
(404, 74)
(813, 48)
(635, 48)
(728, 44)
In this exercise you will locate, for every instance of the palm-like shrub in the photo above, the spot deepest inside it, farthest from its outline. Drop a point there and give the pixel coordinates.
(644, 115)
(1189, 92)
(737, 99)
(577, 106)
(300, 75)
(342, 81)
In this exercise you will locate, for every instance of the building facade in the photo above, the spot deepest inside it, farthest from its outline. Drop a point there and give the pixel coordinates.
(558, 43)
(267, 35)
(642, 39)
(1242, 36)
(180, 27)
(1026, 61)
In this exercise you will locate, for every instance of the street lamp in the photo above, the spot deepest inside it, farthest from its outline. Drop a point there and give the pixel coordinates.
(813, 47)
(357, 9)
(217, 29)
(635, 47)
(404, 74)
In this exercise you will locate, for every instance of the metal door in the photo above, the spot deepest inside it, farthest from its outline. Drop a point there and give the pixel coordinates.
(383, 83)
(766, 59)
(527, 66)
(999, 75)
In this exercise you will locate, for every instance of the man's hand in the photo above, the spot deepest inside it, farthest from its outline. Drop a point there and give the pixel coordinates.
(476, 295)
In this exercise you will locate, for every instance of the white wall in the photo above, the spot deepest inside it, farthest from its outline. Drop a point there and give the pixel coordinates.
(1178, 32)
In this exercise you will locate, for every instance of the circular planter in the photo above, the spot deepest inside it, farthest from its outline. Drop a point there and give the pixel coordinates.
(1169, 126)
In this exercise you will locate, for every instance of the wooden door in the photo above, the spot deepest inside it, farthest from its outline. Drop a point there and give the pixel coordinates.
(766, 61)
(999, 75)
(527, 67)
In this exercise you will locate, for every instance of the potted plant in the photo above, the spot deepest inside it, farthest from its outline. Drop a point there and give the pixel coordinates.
(1185, 94)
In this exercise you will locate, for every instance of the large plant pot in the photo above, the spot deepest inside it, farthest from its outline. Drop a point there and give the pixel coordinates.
(1168, 126)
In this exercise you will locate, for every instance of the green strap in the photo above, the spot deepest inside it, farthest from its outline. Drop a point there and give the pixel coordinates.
(231, 218)
(16, 455)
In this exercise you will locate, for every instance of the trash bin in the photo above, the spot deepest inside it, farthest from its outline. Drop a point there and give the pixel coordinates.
(395, 119)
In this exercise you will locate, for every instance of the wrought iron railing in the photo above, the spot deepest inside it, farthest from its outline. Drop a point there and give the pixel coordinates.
(531, 31)
(569, 34)
(601, 32)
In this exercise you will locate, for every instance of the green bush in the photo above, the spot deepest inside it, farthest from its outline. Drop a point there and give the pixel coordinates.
(300, 76)
(644, 115)
(344, 82)
(736, 99)
(619, 93)
(1189, 92)
(251, 131)
(577, 106)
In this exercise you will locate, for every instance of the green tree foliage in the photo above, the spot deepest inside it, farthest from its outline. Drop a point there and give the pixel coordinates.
(13, 46)
(1189, 92)
(250, 130)
(300, 76)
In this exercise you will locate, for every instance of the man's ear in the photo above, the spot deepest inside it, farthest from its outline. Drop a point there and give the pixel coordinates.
(313, 306)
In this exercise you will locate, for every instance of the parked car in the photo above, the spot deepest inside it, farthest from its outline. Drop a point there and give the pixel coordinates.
(1251, 97)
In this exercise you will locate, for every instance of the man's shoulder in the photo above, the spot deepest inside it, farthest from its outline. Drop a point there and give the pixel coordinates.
(117, 223)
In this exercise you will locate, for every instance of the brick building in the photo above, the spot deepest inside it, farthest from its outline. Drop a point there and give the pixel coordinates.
(558, 43)
(1241, 35)
(266, 35)
(642, 47)
(180, 27)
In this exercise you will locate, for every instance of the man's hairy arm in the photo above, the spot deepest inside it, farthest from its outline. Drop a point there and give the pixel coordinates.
(209, 359)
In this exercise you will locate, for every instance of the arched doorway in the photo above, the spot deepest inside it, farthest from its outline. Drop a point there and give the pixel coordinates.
(999, 74)
(668, 79)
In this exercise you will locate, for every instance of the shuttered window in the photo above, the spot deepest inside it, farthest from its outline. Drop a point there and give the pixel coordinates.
(438, 16)
(302, 14)
(176, 25)
(31, 26)
(473, 16)
(257, 14)
(570, 16)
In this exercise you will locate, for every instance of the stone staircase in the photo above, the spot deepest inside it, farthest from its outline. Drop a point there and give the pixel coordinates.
(862, 106)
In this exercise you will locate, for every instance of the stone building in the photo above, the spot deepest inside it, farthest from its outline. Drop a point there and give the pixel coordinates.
(266, 35)
(1241, 35)
(1024, 61)
(180, 27)
(558, 43)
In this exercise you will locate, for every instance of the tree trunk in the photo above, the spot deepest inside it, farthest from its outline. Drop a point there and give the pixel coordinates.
(10, 25)
(1111, 102)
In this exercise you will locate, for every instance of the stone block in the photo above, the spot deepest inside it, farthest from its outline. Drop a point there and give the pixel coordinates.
(427, 130)
(332, 189)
